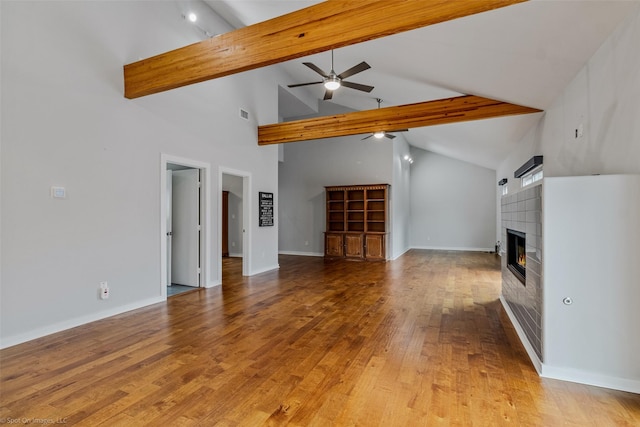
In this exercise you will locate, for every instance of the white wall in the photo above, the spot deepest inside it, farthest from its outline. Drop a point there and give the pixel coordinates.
(308, 167)
(452, 203)
(66, 123)
(605, 98)
(591, 235)
(400, 198)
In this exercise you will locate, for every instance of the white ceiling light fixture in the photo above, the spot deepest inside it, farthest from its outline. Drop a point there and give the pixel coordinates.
(192, 17)
(379, 134)
(332, 82)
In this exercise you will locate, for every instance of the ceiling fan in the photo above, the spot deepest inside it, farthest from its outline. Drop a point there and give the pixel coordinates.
(382, 134)
(333, 81)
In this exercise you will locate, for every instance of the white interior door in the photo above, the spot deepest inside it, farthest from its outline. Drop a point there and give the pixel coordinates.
(185, 225)
(169, 209)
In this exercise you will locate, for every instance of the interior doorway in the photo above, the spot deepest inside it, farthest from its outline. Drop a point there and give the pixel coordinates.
(232, 215)
(236, 184)
(185, 241)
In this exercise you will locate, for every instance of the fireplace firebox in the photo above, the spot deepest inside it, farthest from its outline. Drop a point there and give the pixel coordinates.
(516, 254)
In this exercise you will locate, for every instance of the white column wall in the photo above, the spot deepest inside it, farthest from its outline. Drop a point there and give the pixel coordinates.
(591, 235)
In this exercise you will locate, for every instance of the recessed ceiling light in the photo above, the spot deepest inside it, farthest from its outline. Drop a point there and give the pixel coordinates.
(406, 157)
(192, 17)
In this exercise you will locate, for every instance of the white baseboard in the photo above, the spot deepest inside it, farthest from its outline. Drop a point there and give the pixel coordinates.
(264, 270)
(537, 363)
(453, 248)
(400, 254)
(568, 374)
(235, 255)
(78, 321)
(318, 254)
(590, 378)
(435, 248)
(212, 284)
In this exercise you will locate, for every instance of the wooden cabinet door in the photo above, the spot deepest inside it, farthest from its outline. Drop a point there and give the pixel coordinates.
(353, 246)
(333, 245)
(374, 247)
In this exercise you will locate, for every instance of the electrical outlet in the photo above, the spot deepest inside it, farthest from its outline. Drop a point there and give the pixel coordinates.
(104, 290)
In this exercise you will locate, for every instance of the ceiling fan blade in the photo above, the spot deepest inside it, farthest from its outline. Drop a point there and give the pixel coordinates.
(400, 130)
(328, 94)
(366, 137)
(388, 135)
(354, 70)
(304, 84)
(357, 86)
(316, 69)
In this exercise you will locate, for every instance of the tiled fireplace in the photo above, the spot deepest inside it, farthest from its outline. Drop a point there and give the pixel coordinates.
(517, 254)
(522, 216)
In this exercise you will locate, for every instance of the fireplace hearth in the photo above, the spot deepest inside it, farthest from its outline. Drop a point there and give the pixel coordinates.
(516, 254)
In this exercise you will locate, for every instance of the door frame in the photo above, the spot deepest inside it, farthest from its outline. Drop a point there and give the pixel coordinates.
(205, 215)
(168, 206)
(247, 206)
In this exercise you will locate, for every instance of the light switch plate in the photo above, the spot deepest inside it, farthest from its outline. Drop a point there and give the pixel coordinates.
(58, 192)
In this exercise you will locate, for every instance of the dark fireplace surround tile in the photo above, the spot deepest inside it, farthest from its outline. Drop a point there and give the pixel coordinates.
(522, 212)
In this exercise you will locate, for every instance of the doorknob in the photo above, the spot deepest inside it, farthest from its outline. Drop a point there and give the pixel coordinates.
(169, 233)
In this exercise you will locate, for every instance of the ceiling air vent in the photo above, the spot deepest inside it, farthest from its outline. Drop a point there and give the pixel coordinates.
(244, 114)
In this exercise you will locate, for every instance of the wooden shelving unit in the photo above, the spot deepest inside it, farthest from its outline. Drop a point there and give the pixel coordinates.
(357, 222)
(335, 211)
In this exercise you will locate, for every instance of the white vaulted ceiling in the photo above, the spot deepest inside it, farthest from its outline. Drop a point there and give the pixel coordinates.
(524, 54)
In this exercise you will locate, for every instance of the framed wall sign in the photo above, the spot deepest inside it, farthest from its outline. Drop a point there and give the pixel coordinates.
(265, 210)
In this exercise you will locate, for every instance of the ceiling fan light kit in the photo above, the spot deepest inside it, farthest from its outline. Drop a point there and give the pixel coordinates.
(379, 134)
(332, 81)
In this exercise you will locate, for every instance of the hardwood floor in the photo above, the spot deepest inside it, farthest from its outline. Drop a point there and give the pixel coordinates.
(420, 341)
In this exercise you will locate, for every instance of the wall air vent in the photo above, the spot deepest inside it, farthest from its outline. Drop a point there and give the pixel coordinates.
(244, 114)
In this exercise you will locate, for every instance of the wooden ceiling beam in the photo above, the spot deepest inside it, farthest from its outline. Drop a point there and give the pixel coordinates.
(328, 25)
(450, 110)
